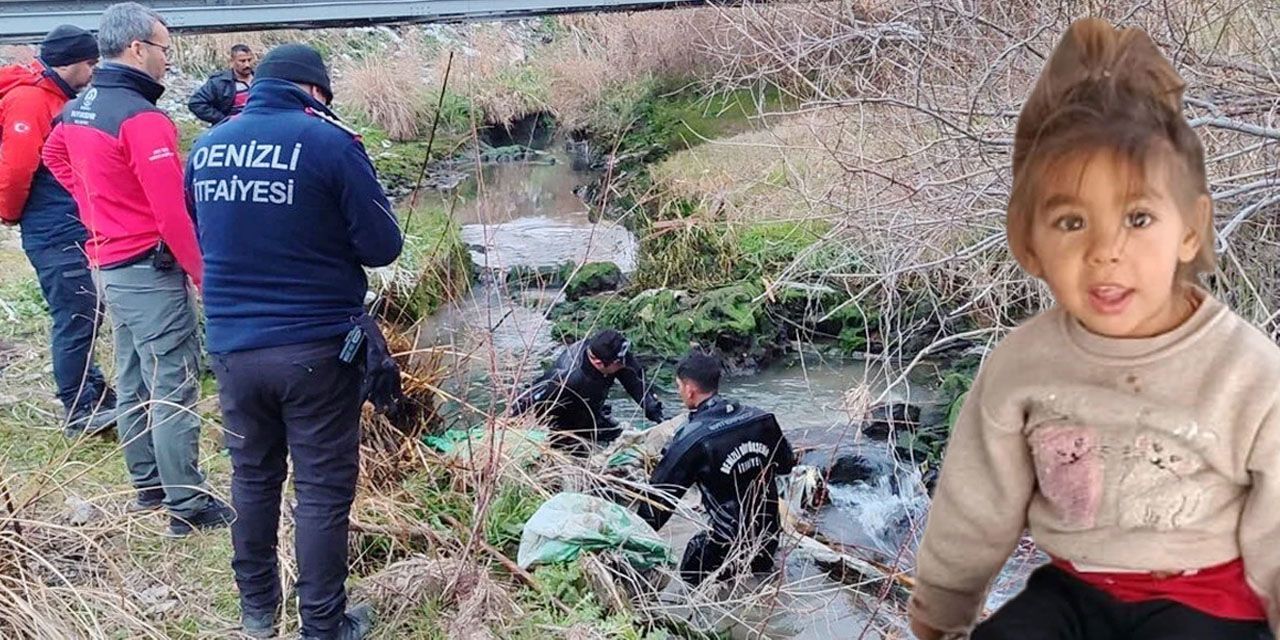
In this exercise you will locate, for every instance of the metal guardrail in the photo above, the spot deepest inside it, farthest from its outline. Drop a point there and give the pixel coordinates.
(26, 21)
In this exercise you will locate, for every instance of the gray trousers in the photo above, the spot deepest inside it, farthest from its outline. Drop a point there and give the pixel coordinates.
(157, 381)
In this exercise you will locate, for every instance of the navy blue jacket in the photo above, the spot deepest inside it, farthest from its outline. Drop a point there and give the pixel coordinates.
(51, 219)
(288, 210)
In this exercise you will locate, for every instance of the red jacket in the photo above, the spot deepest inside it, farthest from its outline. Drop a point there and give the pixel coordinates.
(117, 153)
(29, 101)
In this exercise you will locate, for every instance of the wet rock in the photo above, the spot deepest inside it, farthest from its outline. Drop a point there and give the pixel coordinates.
(579, 154)
(884, 420)
(578, 282)
(852, 469)
(592, 278)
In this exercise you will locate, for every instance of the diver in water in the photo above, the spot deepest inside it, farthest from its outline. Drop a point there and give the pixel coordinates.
(734, 453)
(573, 391)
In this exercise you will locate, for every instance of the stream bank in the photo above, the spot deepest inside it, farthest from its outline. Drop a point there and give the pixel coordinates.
(527, 233)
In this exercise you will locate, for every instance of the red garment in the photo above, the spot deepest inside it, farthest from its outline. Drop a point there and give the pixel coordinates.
(1222, 591)
(242, 97)
(29, 101)
(117, 153)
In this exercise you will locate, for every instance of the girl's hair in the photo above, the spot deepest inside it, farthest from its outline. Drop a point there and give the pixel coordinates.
(1107, 89)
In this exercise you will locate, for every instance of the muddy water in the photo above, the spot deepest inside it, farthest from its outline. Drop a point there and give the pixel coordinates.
(527, 214)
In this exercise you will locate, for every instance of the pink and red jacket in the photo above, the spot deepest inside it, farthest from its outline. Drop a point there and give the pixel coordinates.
(117, 153)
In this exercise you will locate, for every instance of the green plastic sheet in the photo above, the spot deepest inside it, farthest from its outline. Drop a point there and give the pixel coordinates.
(572, 523)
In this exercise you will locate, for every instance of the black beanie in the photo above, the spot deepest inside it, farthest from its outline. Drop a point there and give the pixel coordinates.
(295, 63)
(68, 44)
(609, 346)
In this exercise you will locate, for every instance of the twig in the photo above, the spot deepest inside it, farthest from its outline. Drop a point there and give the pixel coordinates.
(431, 138)
(515, 570)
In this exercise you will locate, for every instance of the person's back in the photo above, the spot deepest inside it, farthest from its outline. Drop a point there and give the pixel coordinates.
(283, 252)
(734, 453)
(117, 151)
(289, 210)
(33, 97)
(571, 393)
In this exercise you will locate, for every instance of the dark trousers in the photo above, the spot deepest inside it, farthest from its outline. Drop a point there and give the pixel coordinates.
(706, 554)
(73, 303)
(1057, 606)
(297, 401)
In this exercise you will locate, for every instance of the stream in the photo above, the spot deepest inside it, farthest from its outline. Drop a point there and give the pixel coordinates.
(526, 214)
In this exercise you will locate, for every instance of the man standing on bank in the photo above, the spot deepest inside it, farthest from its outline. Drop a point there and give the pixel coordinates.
(117, 153)
(734, 453)
(289, 210)
(572, 392)
(225, 93)
(31, 98)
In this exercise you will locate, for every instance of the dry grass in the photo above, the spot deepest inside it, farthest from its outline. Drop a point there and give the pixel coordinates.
(11, 54)
(901, 139)
(760, 175)
(390, 91)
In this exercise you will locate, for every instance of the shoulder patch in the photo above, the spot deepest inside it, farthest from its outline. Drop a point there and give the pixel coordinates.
(334, 121)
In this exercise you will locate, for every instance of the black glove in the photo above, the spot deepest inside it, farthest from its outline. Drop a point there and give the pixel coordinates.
(381, 383)
(653, 409)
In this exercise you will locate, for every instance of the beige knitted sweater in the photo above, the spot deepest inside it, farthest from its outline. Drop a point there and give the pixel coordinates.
(1155, 454)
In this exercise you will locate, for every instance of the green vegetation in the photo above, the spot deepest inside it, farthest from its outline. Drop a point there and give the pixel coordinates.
(666, 322)
(704, 284)
(578, 281)
(434, 267)
(651, 118)
(568, 585)
(700, 253)
(926, 444)
(399, 163)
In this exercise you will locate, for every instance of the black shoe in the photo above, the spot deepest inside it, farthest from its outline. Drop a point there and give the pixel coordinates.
(90, 422)
(260, 626)
(356, 624)
(218, 514)
(147, 500)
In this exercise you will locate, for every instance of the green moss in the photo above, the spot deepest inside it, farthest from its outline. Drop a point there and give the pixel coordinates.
(578, 281)
(399, 163)
(651, 118)
(593, 277)
(768, 247)
(665, 323)
(188, 131)
(956, 382)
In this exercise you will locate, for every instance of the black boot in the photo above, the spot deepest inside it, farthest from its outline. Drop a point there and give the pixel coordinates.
(356, 625)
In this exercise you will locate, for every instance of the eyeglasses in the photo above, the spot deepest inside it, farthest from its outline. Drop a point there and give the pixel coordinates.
(164, 48)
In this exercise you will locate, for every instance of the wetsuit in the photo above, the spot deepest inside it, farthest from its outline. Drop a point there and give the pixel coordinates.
(572, 393)
(733, 453)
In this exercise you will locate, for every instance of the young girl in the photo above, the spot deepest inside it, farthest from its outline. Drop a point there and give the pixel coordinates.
(1135, 426)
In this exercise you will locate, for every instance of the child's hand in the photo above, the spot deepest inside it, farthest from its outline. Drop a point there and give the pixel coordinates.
(924, 631)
